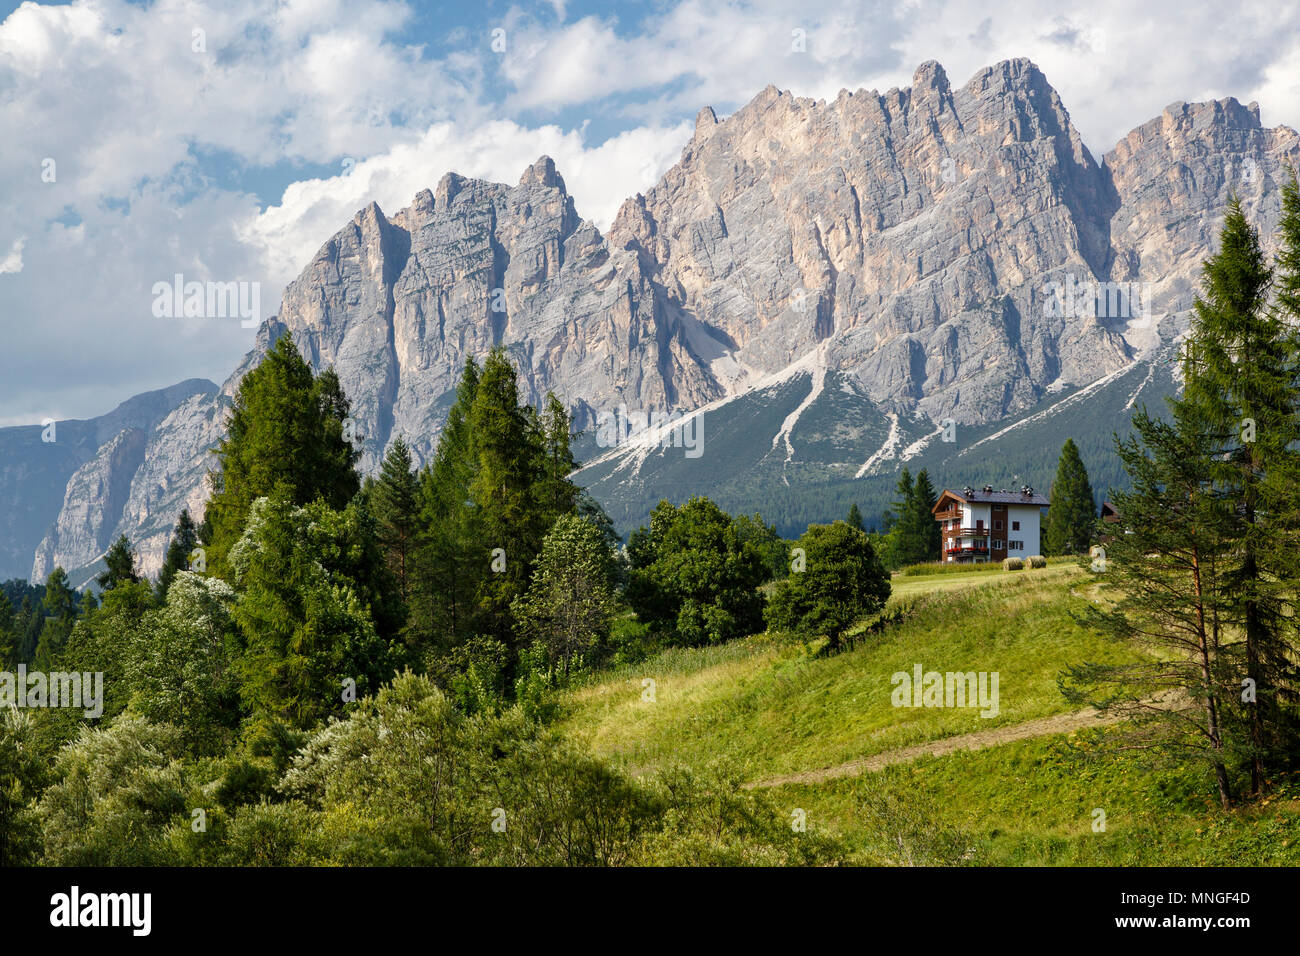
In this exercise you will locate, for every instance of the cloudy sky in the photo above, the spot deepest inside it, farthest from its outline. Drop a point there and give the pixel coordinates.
(225, 141)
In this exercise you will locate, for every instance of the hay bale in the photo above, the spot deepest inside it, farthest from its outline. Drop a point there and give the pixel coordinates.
(1037, 561)
(1012, 564)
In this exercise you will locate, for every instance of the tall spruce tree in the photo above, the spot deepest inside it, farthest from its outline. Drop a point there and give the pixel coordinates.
(119, 564)
(927, 529)
(1241, 382)
(449, 556)
(1072, 515)
(502, 491)
(556, 494)
(60, 603)
(916, 533)
(180, 551)
(1162, 570)
(855, 518)
(903, 544)
(396, 504)
(8, 643)
(287, 428)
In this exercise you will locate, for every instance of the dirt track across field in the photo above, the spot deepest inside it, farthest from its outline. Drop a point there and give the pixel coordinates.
(1058, 724)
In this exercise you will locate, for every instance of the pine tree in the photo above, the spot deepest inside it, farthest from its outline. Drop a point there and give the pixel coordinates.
(916, 534)
(502, 492)
(8, 645)
(60, 603)
(1162, 568)
(119, 563)
(286, 428)
(904, 547)
(448, 558)
(556, 494)
(1070, 519)
(396, 497)
(1241, 381)
(185, 538)
(27, 629)
(927, 529)
(855, 518)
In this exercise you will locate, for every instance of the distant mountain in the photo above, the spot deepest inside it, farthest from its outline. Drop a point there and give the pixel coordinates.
(836, 284)
(73, 492)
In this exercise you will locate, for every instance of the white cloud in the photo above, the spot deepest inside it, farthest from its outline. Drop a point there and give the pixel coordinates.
(1115, 65)
(131, 115)
(599, 178)
(13, 261)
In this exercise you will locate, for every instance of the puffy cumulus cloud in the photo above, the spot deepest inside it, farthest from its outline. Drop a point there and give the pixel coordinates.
(119, 93)
(1114, 64)
(705, 53)
(140, 137)
(1117, 64)
(128, 130)
(599, 178)
(13, 260)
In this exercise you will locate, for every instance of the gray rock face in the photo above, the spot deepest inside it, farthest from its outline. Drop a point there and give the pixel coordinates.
(92, 503)
(396, 306)
(906, 244)
(35, 472)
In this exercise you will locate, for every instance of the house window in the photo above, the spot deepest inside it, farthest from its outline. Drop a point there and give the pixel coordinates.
(1015, 546)
(997, 524)
(997, 544)
(1015, 526)
(997, 507)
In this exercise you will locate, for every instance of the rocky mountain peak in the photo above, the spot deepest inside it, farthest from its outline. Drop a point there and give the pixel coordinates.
(706, 121)
(542, 173)
(898, 244)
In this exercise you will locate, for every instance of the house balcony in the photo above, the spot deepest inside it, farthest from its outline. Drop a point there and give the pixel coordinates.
(969, 549)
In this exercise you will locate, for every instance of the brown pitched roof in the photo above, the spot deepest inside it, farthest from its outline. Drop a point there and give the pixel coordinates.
(970, 496)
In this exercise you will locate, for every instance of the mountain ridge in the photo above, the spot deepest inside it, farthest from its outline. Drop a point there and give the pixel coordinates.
(899, 245)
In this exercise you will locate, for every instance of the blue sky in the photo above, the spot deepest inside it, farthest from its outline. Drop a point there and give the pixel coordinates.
(232, 153)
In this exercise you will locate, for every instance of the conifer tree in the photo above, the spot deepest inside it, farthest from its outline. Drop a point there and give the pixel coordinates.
(119, 564)
(502, 492)
(8, 645)
(855, 518)
(185, 538)
(1071, 517)
(556, 494)
(916, 534)
(448, 558)
(927, 529)
(286, 429)
(60, 603)
(1241, 381)
(1162, 571)
(396, 497)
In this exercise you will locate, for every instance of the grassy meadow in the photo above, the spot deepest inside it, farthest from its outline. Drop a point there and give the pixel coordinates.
(773, 706)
